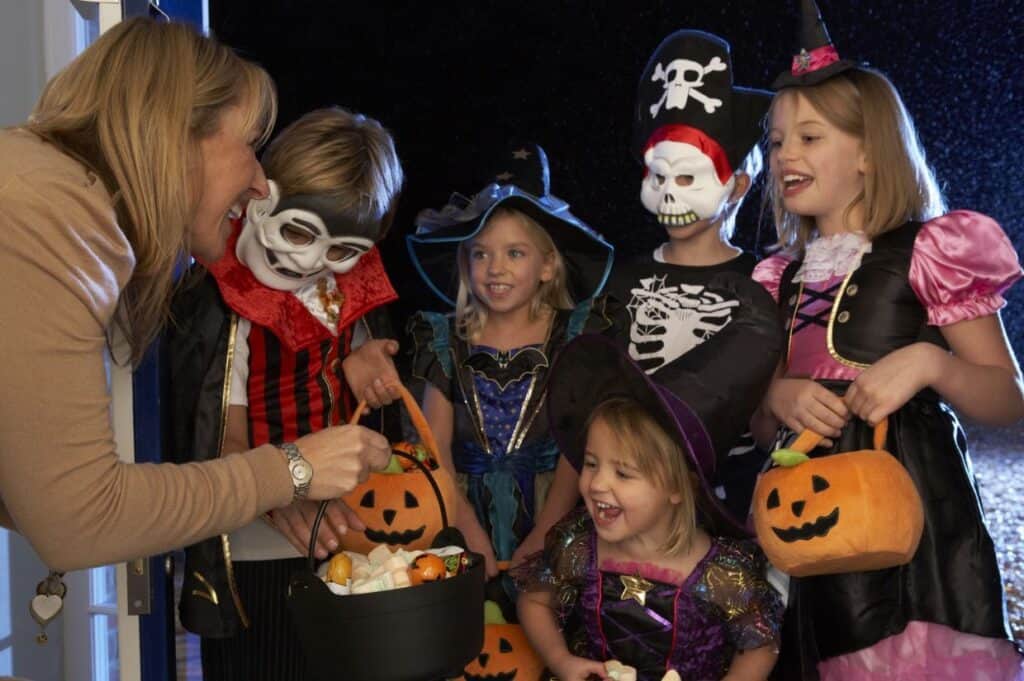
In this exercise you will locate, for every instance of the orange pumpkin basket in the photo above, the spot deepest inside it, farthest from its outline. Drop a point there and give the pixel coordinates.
(845, 512)
(417, 633)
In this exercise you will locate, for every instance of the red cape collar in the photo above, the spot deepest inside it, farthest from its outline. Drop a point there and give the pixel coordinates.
(364, 287)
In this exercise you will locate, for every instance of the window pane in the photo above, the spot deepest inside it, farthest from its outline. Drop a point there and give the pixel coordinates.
(103, 586)
(105, 664)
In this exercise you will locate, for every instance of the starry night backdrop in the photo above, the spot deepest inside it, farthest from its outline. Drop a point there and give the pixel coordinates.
(455, 82)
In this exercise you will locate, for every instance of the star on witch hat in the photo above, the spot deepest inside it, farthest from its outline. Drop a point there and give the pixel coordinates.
(818, 58)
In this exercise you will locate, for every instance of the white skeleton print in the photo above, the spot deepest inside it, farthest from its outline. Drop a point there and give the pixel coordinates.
(669, 321)
(680, 86)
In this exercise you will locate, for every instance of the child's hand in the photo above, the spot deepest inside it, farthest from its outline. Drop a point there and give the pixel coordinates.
(532, 543)
(568, 667)
(890, 382)
(803, 404)
(295, 522)
(477, 540)
(370, 372)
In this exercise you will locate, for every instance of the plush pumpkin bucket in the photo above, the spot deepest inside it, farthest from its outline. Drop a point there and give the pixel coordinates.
(844, 512)
(418, 633)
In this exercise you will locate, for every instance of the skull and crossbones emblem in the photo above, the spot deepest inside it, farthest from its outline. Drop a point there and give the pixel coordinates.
(669, 321)
(681, 79)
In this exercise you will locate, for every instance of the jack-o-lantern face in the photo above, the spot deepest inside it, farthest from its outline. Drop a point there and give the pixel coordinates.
(811, 527)
(506, 656)
(399, 508)
(839, 513)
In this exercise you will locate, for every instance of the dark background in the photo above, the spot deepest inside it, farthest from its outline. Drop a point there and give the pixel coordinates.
(456, 81)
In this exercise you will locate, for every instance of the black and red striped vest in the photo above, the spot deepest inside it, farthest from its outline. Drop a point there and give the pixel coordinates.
(292, 394)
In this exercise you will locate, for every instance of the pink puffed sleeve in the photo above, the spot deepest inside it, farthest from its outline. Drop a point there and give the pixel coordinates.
(962, 264)
(768, 273)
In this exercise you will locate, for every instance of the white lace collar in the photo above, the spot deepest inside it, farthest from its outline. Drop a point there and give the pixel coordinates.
(832, 256)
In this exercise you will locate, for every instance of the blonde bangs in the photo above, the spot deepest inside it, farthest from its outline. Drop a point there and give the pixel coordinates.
(899, 185)
(657, 456)
(470, 313)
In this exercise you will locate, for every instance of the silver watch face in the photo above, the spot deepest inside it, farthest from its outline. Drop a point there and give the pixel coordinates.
(302, 471)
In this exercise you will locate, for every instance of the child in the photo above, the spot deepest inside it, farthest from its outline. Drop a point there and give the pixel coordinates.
(654, 573)
(692, 301)
(258, 356)
(486, 369)
(893, 312)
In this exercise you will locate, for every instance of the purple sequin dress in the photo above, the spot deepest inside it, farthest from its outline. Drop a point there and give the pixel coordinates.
(694, 627)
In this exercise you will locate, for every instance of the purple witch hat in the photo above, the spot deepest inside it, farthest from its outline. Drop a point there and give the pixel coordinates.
(818, 58)
(593, 369)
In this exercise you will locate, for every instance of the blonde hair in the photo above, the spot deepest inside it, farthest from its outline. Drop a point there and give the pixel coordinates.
(471, 314)
(657, 456)
(346, 156)
(898, 185)
(133, 108)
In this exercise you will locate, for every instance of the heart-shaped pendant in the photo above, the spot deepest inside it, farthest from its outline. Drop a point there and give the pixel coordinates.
(45, 607)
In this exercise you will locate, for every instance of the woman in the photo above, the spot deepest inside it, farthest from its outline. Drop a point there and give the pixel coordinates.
(137, 153)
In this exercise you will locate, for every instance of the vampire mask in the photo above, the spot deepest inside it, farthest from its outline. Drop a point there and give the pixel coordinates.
(289, 243)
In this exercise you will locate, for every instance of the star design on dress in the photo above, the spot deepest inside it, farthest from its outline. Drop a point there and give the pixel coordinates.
(505, 176)
(635, 588)
(521, 154)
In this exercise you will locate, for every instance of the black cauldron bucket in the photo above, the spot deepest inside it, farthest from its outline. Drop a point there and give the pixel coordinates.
(418, 633)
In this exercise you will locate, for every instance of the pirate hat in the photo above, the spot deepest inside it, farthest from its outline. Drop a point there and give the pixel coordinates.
(592, 369)
(817, 59)
(686, 89)
(521, 182)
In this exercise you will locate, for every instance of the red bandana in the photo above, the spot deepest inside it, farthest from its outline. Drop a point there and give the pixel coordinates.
(363, 288)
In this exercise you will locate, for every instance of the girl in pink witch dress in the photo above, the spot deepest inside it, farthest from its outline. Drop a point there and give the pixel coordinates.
(892, 310)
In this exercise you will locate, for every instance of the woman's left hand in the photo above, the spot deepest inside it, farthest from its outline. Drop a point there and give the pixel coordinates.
(371, 373)
(890, 382)
(295, 522)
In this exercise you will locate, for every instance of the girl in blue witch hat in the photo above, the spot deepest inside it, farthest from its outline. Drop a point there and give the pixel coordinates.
(521, 272)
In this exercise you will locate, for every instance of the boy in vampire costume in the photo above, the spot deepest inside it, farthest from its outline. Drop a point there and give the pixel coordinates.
(271, 346)
(695, 314)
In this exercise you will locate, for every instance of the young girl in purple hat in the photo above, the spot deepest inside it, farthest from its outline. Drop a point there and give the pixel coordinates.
(653, 573)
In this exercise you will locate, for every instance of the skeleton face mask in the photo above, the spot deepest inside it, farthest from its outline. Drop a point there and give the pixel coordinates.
(682, 186)
(294, 247)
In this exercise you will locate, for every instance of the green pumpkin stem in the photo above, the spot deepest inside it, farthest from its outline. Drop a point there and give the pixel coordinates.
(788, 457)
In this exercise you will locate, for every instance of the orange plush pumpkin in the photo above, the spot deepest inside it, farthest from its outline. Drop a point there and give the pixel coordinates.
(398, 506)
(506, 655)
(840, 513)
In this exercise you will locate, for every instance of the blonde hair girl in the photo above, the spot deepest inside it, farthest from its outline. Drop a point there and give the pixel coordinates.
(892, 310)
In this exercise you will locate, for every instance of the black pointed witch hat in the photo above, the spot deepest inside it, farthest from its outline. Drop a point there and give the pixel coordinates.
(817, 59)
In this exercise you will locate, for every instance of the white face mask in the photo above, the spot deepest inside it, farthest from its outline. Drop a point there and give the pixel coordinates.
(289, 250)
(682, 186)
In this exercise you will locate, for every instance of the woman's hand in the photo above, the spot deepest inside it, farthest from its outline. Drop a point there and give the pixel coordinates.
(342, 457)
(568, 667)
(371, 374)
(295, 522)
(890, 382)
(532, 543)
(803, 404)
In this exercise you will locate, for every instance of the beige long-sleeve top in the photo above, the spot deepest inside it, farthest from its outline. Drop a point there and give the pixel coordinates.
(64, 262)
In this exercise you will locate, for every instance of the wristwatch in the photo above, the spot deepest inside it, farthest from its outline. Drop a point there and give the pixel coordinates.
(300, 469)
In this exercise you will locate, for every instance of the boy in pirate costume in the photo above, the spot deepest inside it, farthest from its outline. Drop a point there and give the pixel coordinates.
(265, 350)
(692, 304)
